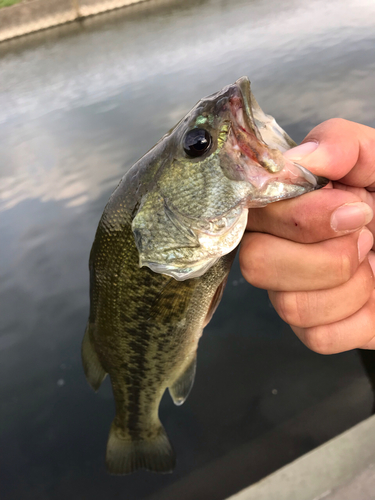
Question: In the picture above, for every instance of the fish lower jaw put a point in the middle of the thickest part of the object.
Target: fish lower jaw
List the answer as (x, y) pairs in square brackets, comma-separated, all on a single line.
[(276, 191)]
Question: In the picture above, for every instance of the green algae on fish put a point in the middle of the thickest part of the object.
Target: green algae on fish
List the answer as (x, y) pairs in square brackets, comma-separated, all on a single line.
[(161, 257)]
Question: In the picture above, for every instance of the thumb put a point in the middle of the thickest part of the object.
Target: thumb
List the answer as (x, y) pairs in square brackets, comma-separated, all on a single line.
[(339, 150)]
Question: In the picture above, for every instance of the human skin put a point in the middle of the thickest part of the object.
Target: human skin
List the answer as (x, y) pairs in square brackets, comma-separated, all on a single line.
[(314, 254)]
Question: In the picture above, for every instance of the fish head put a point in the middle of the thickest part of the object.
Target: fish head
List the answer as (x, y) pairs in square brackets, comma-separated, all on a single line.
[(223, 158)]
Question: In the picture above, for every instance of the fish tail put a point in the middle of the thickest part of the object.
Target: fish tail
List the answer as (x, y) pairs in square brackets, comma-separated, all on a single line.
[(126, 455), (95, 374)]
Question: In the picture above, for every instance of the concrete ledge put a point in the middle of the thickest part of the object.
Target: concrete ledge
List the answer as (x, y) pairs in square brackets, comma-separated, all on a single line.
[(341, 469), (36, 15), (92, 7)]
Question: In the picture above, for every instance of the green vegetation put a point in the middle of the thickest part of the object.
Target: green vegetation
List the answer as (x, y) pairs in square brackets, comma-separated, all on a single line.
[(7, 3)]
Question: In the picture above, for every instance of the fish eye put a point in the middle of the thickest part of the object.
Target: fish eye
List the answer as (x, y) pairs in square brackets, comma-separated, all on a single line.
[(196, 142)]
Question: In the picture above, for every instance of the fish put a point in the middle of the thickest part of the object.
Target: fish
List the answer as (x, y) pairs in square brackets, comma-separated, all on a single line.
[(161, 257)]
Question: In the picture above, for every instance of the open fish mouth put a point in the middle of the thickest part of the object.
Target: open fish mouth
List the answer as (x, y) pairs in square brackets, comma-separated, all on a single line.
[(258, 159)]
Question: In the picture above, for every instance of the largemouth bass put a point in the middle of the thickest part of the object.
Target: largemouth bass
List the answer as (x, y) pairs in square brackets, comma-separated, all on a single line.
[(161, 256)]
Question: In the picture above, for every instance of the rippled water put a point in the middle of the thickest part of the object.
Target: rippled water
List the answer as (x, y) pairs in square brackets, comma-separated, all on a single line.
[(78, 105)]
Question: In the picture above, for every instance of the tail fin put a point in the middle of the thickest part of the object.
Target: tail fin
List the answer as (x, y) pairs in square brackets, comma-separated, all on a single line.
[(127, 455), (93, 369)]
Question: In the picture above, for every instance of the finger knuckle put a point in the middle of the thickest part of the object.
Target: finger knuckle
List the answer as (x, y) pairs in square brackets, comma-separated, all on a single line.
[(252, 261), (319, 340), (366, 279), (293, 307), (345, 266), (336, 122)]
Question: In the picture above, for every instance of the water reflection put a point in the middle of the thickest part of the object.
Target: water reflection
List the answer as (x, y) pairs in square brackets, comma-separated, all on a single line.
[(59, 145), (80, 104)]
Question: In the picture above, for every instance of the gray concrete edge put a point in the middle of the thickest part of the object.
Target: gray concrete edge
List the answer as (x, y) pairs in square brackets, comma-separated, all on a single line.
[(24, 18), (320, 472)]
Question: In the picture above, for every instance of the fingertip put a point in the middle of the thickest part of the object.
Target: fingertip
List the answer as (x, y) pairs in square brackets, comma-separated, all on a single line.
[(330, 150), (300, 152), (365, 243), (351, 216), (371, 260)]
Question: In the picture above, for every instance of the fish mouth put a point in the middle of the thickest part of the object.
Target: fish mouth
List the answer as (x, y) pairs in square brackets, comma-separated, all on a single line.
[(254, 149), (242, 107)]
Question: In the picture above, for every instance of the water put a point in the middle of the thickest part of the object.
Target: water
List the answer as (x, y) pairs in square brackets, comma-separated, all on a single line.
[(78, 105)]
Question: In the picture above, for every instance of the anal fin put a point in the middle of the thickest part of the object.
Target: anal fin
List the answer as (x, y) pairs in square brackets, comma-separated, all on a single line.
[(94, 371), (181, 388)]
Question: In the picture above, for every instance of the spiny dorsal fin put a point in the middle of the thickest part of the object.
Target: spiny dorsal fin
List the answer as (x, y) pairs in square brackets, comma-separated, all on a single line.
[(181, 388)]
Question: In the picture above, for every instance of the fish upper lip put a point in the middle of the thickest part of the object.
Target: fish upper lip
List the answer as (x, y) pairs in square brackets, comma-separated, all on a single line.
[(243, 84), (251, 144), (238, 96)]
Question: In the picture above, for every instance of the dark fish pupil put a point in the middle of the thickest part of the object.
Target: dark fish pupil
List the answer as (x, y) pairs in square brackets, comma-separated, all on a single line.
[(196, 142)]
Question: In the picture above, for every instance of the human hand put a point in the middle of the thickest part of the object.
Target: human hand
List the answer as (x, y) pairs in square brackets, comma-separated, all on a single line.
[(314, 253)]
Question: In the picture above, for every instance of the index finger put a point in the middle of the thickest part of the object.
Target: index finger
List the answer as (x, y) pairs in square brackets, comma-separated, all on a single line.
[(344, 151), (313, 217)]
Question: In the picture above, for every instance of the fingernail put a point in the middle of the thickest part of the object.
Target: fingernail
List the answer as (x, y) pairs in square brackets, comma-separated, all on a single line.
[(365, 242), (301, 151), (351, 216)]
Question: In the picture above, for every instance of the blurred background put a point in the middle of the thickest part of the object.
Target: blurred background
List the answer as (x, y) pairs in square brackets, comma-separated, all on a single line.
[(79, 104)]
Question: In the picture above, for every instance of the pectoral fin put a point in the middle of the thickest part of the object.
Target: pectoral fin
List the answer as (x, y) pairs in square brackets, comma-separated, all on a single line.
[(181, 388), (215, 301), (94, 371)]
